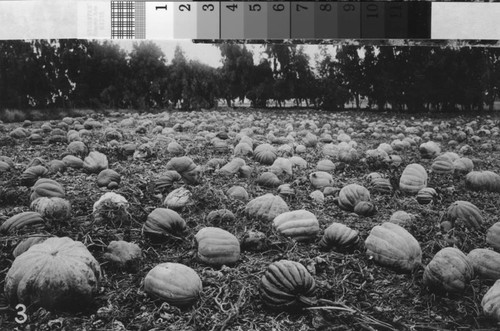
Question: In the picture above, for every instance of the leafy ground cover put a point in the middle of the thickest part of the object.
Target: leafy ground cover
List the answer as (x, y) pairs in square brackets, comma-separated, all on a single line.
[(354, 293)]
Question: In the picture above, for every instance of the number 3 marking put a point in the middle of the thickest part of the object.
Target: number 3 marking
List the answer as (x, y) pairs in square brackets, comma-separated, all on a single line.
[(22, 317)]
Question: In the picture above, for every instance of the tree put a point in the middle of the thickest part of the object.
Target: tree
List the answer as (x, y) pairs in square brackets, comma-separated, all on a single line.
[(148, 72), (237, 67), (408, 81), (262, 82), (491, 75), (416, 88), (202, 91), (280, 56), (473, 64), (303, 79), (192, 83), (42, 74), (379, 71), (333, 94), (26, 74), (177, 78), (351, 72), (71, 63), (106, 74)]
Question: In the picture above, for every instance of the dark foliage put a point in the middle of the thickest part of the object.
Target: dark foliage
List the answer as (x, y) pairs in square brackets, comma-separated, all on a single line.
[(59, 74)]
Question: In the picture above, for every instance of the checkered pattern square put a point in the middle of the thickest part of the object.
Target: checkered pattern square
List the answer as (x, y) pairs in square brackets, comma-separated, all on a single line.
[(122, 19)]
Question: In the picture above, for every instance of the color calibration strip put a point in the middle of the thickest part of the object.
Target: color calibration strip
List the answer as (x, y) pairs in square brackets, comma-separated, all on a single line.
[(259, 20), (284, 20), (252, 20)]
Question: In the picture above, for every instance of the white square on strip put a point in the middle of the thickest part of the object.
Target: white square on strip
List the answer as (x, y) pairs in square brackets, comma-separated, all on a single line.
[(465, 20), (159, 20)]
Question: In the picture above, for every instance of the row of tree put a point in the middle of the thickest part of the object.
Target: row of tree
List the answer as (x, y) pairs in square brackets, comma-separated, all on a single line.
[(86, 73)]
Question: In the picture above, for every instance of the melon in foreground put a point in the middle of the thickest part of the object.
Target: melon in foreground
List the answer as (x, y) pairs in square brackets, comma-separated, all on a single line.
[(390, 245), (179, 198), (163, 222), (483, 181), (352, 194), (111, 207), (95, 162), (486, 263), (413, 178), (491, 301), (493, 236), (448, 271), (217, 247), (57, 274), (45, 187), (25, 244), (300, 225), (465, 212), (123, 254), (287, 285), (175, 283), (266, 207), (21, 220), (52, 208), (339, 237), (110, 200), (321, 179)]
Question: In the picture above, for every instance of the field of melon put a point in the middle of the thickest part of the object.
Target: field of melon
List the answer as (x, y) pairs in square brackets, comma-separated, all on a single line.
[(250, 220)]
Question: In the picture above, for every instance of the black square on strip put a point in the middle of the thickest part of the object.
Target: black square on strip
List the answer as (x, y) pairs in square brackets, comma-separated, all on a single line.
[(122, 19), (419, 20)]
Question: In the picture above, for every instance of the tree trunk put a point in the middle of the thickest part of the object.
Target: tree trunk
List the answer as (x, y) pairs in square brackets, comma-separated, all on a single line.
[(380, 105)]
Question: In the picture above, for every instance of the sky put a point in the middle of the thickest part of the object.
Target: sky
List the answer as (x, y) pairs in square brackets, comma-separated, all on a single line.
[(206, 53)]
